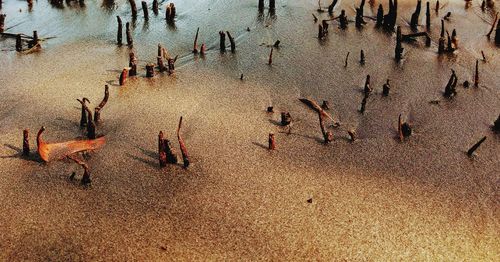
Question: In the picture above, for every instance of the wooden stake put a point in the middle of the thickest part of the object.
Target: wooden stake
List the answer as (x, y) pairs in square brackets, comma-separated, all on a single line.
[(346, 59), (150, 70), (203, 49), (123, 76), (400, 128), (362, 57), (470, 152), (428, 17), (415, 16), (231, 40), (120, 28), (19, 43), (185, 156), (97, 110), (162, 155), (496, 125), (83, 118), (476, 76), (386, 88), (363, 105), (367, 89), (145, 10), (286, 118), (134, 8), (26, 143), (270, 62), (155, 7), (2, 21), (380, 16), (399, 48), (222, 42), (195, 45), (272, 5), (437, 6), (130, 41), (272, 142), (90, 124), (331, 6)]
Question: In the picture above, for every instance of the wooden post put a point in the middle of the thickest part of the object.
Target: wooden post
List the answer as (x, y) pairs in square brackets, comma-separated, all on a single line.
[(134, 8), (150, 70), (286, 118), (145, 10), (272, 5), (270, 61), (261, 5), (90, 125), (182, 145), (450, 89), (272, 142), (195, 45), (320, 32), (362, 57), (19, 43), (363, 104), (331, 6), (170, 13), (161, 64), (120, 29), (454, 39), (83, 117), (222, 43), (346, 59), (162, 155), (380, 16), (428, 17), (476, 75), (437, 6), (470, 152), (496, 125), (441, 47), (367, 89), (171, 64), (26, 143), (343, 20), (231, 40), (386, 88), (123, 76), (130, 41), (399, 48), (155, 7), (97, 110), (415, 16), (203, 49), (497, 33), (2, 21)]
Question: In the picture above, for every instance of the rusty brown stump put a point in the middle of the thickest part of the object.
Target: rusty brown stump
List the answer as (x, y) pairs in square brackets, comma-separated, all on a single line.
[(123, 76), (97, 110)]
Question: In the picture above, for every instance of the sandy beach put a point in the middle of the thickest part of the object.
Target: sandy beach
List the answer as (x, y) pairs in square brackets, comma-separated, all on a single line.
[(375, 199)]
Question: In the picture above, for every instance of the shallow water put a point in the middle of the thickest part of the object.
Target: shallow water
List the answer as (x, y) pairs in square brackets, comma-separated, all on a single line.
[(376, 198)]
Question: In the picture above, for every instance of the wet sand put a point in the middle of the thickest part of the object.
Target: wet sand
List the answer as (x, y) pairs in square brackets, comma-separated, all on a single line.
[(374, 199)]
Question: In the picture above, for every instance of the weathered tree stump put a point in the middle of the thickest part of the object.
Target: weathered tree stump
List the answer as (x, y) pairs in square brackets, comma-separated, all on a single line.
[(97, 110), (133, 7)]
